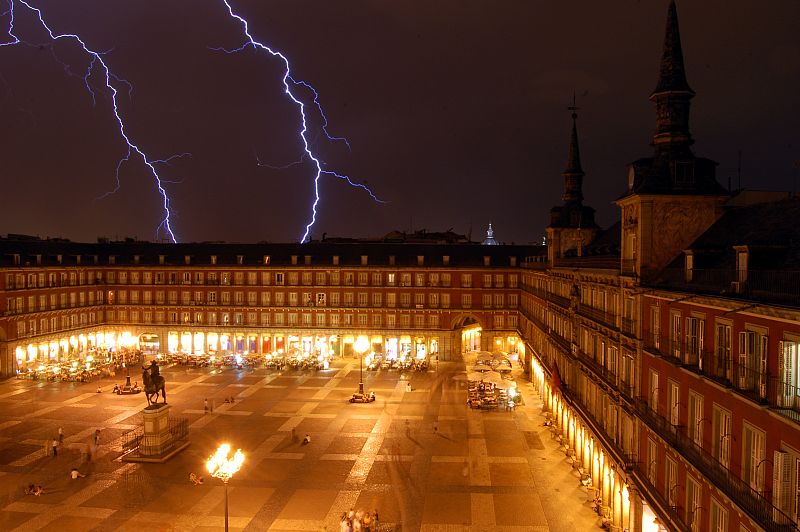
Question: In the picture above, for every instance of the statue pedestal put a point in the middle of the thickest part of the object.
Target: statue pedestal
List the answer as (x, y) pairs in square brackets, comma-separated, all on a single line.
[(160, 440), (156, 437)]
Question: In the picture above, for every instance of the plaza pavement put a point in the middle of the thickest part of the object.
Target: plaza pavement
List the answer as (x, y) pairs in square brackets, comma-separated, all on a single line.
[(423, 459)]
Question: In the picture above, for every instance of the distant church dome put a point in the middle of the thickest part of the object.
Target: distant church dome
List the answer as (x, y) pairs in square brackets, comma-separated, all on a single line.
[(490, 241)]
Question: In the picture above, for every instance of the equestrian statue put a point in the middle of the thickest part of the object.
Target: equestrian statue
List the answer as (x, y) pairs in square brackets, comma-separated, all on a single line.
[(153, 383)]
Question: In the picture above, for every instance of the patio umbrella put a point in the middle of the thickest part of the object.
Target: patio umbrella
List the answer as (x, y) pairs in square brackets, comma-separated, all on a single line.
[(493, 377), (505, 384), (484, 356), (482, 368), (475, 376)]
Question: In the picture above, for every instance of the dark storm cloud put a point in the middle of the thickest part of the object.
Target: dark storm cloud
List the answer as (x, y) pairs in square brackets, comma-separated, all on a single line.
[(455, 110)]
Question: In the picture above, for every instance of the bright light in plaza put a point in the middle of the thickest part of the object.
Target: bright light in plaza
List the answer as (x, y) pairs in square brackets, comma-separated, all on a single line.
[(223, 467)]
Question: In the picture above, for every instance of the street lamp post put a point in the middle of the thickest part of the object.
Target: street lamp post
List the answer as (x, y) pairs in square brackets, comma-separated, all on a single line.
[(223, 468), (361, 346)]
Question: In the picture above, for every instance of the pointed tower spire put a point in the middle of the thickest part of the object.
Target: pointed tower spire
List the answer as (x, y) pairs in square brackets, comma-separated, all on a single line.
[(672, 94), (573, 173), (672, 76)]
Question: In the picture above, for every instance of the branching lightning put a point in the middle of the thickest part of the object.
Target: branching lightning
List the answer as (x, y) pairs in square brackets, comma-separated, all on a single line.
[(288, 83), (111, 81)]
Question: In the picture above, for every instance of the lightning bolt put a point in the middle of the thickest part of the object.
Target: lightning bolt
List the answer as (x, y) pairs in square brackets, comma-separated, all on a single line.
[(96, 62), (288, 83)]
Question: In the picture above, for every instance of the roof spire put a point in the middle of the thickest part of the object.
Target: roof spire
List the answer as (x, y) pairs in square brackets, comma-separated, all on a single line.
[(573, 173), (672, 76)]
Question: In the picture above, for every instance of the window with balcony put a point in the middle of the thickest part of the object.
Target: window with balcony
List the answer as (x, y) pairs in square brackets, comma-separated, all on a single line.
[(363, 299), (753, 456), (721, 435), (349, 299)]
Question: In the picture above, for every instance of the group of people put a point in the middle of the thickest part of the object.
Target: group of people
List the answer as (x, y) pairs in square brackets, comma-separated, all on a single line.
[(359, 521), (34, 490)]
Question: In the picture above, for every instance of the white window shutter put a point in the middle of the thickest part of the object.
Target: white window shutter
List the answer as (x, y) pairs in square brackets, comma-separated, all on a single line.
[(781, 477)]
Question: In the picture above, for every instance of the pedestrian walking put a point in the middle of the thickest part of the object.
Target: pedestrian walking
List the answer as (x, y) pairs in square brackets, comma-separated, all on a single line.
[(205, 406), (97, 437), (60, 435), (55, 447)]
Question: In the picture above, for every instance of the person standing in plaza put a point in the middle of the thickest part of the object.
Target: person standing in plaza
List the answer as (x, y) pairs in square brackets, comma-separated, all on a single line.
[(55, 447), (97, 437), (60, 435)]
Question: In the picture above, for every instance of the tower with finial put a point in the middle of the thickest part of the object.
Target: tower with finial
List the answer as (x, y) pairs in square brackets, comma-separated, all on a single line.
[(489, 240), (572, 224), (673, 196)]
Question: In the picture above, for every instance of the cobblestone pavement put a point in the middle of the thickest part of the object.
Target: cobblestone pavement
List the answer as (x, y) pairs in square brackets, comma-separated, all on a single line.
[(422, 458)]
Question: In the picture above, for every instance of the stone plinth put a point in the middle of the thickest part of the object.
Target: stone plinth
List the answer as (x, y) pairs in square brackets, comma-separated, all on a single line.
[(156, 437), (159, 440)]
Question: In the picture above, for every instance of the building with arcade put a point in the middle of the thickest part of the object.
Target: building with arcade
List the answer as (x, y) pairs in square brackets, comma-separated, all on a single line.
[(665, 347)]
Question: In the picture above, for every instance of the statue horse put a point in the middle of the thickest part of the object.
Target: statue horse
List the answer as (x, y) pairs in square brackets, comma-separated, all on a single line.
[(153, 385)]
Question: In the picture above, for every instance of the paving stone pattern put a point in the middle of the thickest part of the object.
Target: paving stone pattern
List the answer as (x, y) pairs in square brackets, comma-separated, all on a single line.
[(423, 459)]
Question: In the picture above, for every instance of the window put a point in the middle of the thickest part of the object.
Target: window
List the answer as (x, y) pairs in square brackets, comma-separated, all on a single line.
[(405, 279), (487, 280), (498, 321), (466, 280), (335, 299), (675, 334), (293, 299), (652, 461), (320, 299), (788, 380), (363, 320), (376, 279), (655, 327), (334, 320), (752, 367), (671, 482), (466, 300), (293, 278), (433, 321), (445, 300), (306, 278), (405, 300), (391, 300), (377, 299), (419, 321), (376, 320), (487, 300), (721, 435), (434, 279), (654, 391), (363, 298), (320, 320), (499, 281), (320, 278), (391, 279), (279, 278), (419, 279), (694, 341), (753, 454), (446, 280), (306, 319), (693, 503), (349, 299), (719, 517), (696, 418), (674, 404), (721, 365)]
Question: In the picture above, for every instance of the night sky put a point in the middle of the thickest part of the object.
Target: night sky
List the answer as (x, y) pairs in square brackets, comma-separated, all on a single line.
[(455, 111)]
